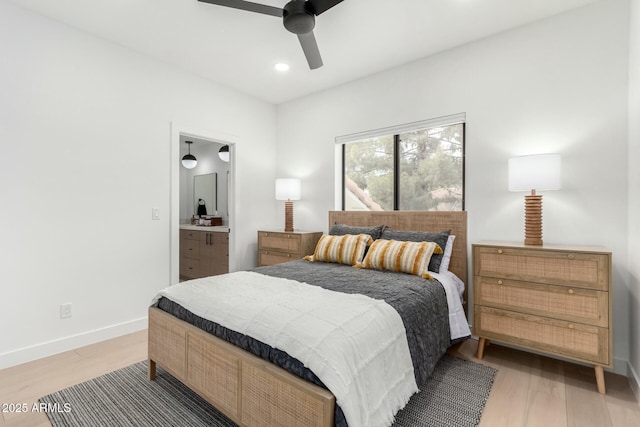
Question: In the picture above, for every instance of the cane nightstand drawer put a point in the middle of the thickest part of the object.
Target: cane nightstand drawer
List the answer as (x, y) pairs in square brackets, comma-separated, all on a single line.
[(572, 304), (284, 242), (571, 268), (270, 257), (275, 247), (579, 341)]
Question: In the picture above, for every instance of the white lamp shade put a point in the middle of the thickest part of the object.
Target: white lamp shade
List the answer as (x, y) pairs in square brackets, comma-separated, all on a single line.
[(288, 189), (223, 153), (189, 163), (535, 172)]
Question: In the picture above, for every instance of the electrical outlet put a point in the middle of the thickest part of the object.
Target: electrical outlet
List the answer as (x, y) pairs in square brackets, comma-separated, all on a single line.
[(65, 310)]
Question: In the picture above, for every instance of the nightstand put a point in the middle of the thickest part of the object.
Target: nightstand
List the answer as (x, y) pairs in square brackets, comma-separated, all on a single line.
[(275, 247), (552, 299)]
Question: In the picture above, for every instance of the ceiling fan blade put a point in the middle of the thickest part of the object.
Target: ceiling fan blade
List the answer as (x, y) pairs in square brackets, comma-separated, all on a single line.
[(247, 5), (319, 6), (311, 51)]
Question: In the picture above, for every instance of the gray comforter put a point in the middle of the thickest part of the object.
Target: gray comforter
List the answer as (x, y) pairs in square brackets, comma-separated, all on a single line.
[(421, 304)]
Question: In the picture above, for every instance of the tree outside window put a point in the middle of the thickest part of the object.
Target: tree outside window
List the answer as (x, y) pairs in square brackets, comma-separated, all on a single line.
[(416, 170)]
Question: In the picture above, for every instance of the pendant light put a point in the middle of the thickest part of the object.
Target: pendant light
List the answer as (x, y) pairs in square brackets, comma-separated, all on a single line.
[(189, 161), (223, 153)]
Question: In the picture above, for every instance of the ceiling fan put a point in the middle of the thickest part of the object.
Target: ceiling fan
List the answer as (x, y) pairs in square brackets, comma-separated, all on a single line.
[(298, 16)]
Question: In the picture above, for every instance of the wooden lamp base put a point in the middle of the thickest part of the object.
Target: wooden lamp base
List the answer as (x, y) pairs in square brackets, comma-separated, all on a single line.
[(533, 219), (288, 216)]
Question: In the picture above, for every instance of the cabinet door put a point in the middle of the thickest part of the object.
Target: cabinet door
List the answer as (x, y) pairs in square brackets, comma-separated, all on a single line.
[(214, 250), (220, 254)]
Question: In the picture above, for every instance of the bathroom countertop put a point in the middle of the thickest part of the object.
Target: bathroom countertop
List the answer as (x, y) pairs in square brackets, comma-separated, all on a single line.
[(214, 228)]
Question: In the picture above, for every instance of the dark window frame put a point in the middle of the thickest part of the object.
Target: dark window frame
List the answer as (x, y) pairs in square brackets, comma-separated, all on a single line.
[(396, 168)]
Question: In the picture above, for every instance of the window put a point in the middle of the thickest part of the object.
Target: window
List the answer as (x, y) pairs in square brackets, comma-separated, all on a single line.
[(417, 167)]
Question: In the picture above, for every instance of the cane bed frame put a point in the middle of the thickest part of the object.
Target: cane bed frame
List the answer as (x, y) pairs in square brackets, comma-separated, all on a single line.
[(251, 391)]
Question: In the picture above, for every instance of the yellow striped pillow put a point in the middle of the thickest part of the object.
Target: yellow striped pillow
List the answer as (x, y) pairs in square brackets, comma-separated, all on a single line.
[(347, 249), (400, 256)]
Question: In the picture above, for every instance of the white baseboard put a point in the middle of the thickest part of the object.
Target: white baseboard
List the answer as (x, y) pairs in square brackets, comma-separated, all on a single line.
[(620, 366), (49, 348), (634, 382)]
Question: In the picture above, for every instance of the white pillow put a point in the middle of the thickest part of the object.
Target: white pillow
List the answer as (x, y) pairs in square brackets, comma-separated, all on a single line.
[(446, 258)]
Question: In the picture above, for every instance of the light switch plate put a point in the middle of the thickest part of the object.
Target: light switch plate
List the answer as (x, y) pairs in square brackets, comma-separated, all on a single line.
[(65, 310), (155, 213)]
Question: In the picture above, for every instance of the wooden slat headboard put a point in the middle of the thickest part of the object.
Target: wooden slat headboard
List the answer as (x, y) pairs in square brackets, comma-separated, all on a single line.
[(456, 221)]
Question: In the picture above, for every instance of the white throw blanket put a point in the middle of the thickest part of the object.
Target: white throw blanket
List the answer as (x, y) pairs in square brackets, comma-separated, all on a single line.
[(356, 345)]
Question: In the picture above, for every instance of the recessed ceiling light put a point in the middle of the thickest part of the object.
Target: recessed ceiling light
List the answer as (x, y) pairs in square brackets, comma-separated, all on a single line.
[(281, 66)]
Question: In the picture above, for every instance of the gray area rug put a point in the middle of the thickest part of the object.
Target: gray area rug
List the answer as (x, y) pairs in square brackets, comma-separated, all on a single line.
[(455, 395)]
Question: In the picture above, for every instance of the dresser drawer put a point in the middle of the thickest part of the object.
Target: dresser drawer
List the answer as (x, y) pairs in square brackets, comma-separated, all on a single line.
[(578, 269), (281, 242), (572, 304), (189, 234), (584, 342), (190, 268), (190, 248)]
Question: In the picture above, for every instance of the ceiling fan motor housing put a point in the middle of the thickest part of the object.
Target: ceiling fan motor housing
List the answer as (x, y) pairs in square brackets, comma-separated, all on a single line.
[(298, 18)]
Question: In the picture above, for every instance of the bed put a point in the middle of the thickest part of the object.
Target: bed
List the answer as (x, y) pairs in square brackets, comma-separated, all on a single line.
[(254, 383)]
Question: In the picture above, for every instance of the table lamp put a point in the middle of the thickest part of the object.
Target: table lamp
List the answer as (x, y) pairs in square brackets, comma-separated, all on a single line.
[(288, 189), (534, 173)]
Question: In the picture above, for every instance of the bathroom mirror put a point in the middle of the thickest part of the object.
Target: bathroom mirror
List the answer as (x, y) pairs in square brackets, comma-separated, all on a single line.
[(205, 193)]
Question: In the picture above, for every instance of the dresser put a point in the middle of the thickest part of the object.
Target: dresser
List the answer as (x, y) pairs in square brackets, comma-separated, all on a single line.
[(203, 253), (552, 299), (275, 247)]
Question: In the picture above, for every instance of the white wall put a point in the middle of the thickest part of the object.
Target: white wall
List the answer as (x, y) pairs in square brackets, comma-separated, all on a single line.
[(634, 192), (85, 129), (559, 85)]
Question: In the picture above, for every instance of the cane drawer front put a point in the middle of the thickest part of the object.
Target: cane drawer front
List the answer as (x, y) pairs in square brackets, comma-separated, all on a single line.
[(575, 340), (586, 306), (275, 247), (280, 242), (559, 267), (271, 257)]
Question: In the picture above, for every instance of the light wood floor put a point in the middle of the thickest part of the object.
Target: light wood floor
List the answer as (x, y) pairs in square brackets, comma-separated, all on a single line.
[(529, 390)]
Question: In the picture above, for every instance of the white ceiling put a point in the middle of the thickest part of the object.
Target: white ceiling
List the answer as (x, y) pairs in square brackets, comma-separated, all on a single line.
[(239, 48)]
